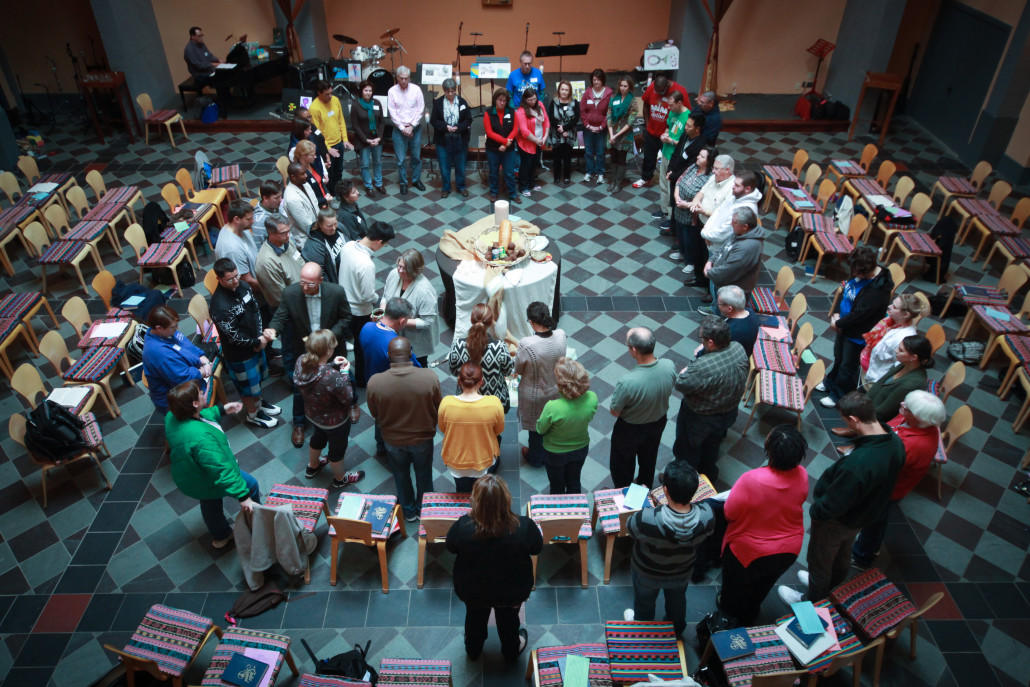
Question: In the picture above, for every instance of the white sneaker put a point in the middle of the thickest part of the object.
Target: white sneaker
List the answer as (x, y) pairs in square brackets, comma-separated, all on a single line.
[(821, 386), (629, 615), (587, 178), (261, 419), (640, 183), (676, 255), (827, 402), (600, 179), (803, 577), (270, 409), (688, 268), (350, 346), (790, 596)]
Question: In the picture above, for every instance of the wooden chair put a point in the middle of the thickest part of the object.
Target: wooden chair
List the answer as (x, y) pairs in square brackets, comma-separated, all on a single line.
[(10, 186), (11, 328), (798, 307), (812, 175), (993, 226), (999, 192), (95, 366), (17, 428), (768, 301), (281, 164), (166, 117), (77, 315), (360, 532), (165, 644), (60, 253), (1017, 349), (957, 186), (236, 640), (572, 526), (778, 356), (912, 621), (953, 378), (29, 385), (439, 512), (223, 176), (897, 276), (595, 653), (103, 284), (210, 281), (935, 335), (92, 232), (24, 306), (853, 659), (1012, 248), (29, 168), (902, 189), (834, 244), (215, 196), (885, 173), (307, 503), (996, 327), (786, 391), (920, 204), (916, 244), (171, 196), (960, 422), (868, 154), (95, 180), (796, 166), (157, 255), (76, 198)]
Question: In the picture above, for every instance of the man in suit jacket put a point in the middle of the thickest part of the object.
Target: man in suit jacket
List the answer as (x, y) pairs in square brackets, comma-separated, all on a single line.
[(305, 307)]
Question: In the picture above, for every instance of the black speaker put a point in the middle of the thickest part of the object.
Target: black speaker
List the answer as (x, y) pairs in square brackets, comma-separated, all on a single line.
[(303, 75)]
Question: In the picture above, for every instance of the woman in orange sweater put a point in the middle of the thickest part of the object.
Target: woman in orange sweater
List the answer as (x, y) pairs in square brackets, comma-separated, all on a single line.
[(531, 125), (471, 423)]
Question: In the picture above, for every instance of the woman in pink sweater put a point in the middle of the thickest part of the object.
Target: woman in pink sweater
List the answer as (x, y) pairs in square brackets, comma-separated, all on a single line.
[(765, 525), (531, 126)]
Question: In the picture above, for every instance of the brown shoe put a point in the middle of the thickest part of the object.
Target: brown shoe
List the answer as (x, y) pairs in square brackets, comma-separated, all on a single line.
[(298, 436), (843, 431), (355, 414), (845, 449), (525, 451)]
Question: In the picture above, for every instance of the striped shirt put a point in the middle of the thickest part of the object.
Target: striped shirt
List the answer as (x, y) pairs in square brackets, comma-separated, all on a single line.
[(667, 540)]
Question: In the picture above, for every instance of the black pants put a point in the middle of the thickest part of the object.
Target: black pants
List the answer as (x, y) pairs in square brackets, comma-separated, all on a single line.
[(652, 145), (527, 165), (632, 444), (507, 617), (356, 323), (337, 438), (843, 376), (335, 168), (562, 161), (698, 438), (745, 588), (698, 254)]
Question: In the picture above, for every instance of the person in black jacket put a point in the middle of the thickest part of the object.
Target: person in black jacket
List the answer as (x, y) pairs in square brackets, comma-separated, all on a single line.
[(451, 121), (862, 304), (325, 243), (350, 222), (564, 113), (494, 568)]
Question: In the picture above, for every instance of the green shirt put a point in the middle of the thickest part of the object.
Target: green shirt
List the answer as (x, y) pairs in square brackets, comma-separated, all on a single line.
[(564, 422), (642, 395), (676, 121)]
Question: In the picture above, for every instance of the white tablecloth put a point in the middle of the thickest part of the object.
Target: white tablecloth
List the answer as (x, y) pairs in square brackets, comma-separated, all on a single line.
[(531, 281)]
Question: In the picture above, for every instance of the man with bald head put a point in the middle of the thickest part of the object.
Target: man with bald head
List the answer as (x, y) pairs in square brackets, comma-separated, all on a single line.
[(305, 307), (403, 400), (641, 404)]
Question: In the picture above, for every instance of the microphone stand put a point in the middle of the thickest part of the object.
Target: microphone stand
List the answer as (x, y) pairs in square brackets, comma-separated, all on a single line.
[(457, 62), (559, 34), (525, 45)]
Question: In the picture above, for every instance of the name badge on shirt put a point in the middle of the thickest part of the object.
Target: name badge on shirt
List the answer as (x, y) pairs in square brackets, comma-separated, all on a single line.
[(360, 220), (296, 254), (507, 116), (591, 102), (461, 108), (177, 347), (331, 113), (246, 299)]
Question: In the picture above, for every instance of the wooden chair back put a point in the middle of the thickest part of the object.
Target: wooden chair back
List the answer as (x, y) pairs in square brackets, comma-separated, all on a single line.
[(199, 311), (868, 153), (95, 180), (1021, 212), (561, 528), (54, 349), (806, 334), (1012, 280), (185, 181), (935, 335), (76, 198), (10, 186), (798, 307), (999, 192), (135, 237), (436, 528), (902, 189), (103, 284), (812, 176), (911, 622), (76, 314), (29, 168), (857, 229), (953, 378), (980, 172), (826, 190), (961, 421), (28, 384), (854, 659), (920, 204), (281, 164), (170, 194), (812, 379), (786, 679), (359, 531), (897, 276), (800, 158), (145, 104), (135, 663), (57, 218), (886, 171), (37, 236), (784, 280), (210, 281)]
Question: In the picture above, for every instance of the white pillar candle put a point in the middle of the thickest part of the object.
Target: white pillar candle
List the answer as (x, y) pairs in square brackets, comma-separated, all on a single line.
[(500, 211)]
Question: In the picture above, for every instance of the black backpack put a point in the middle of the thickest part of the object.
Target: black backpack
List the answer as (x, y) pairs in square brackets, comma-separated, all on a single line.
[(155, 220), (793, 242), (53, 432), (352, 664)]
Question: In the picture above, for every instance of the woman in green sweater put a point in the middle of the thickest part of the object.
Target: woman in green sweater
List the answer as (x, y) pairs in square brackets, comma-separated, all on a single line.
[(203, 465), (564, 424)]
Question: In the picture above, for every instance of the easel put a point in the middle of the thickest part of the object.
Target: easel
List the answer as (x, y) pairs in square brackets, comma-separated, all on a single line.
[(475, 51), (821, 49)]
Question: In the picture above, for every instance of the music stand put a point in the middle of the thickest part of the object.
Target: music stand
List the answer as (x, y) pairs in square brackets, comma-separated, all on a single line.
[(560, 51), (821, 49), (476, 51)]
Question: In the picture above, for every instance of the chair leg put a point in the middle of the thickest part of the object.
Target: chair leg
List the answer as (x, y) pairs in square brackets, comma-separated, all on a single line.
[(168, 128), (818, 262), (96, 460), (609, 549), (146, 133), (421, 561), (290, 662), (751, 416), (534, 572), (583, 562), (43, 483), (124, 363), (106, 386), (381, 546), (182, 125), (991, 347), (82, 280)]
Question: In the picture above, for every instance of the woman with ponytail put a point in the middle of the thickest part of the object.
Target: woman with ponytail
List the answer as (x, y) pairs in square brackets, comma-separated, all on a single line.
[(490, 354), (535, 361)]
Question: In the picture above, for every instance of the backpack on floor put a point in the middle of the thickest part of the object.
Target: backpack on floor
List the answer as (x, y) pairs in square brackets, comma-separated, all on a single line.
[(968, 351), (52, 432), (252, 603), (352, 664), (793, 242)]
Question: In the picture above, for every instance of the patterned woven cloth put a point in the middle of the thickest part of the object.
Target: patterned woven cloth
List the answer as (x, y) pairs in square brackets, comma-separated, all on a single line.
[(161, 116), (781, 323), (997, 224), (783, 391), (369, 498), (607, 510), (799, 200), (1018, 248), (104, 212), (329, 681), (872, 603), (438, 506), (86, 230), (118, 314), (119, 195), (778, 173), (235, 641), (62, 252), (199, 209), (411, 672), (173, 235), (775, 356), (975, 207), (848, 640), (8, 325), (94, 364), (557, 506), (18, 305), (169, 637), (1020, 347), (764, 302), (15, 215), (637, 648), (60, 179), (89, 340), (999, 325), (599, 675), (221, 175), (847, 168), (866, 187), (705, 490), (91, 433), (812, 222), (986, 295), (833, 242), (208, 332), (957, 186), (771, 656), (160, 254), (307, 502), (919, 243)]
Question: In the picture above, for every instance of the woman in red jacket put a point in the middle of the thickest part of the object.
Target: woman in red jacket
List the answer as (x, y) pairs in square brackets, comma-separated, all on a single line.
[(531, 125), (499, 122), (765, 525)]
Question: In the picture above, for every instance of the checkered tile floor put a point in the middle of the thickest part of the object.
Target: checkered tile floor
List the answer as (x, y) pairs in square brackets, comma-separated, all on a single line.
[(83, 572)]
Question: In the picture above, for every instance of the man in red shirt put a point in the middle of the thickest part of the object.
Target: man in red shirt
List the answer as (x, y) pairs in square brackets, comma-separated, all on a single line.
[(656, 111)]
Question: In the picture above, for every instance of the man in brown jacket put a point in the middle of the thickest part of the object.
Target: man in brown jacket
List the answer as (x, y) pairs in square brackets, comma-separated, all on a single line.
[(404, 401)]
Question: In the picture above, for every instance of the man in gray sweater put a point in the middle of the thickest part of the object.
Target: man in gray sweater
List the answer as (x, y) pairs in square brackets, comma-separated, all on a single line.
[(666, 544), (737, 264)]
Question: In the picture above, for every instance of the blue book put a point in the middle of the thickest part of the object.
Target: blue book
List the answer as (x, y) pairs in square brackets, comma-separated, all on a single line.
[(244, 671), (379, 515), (730, 644), (804, 638)]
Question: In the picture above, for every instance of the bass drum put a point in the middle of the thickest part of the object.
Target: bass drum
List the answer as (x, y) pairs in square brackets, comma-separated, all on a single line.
[(381, 79)]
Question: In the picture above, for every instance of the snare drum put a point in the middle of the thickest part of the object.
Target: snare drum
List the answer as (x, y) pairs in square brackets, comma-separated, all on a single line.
[(359, 53), (376, 52), (380, 78)]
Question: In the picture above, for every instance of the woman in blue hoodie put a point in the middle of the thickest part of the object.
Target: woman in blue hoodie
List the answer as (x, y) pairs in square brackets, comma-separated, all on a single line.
[(169, 359)]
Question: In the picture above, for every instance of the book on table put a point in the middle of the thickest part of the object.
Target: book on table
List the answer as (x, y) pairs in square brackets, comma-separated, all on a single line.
[(379, 515), (731, 644), (244, 671)]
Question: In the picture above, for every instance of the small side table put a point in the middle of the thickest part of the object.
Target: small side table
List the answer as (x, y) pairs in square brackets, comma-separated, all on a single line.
[(885, 82), (94, 82)]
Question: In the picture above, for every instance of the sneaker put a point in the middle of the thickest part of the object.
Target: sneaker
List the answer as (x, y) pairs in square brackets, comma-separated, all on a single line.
[(411, 517), (803, 577), (587, 178), (629, 615), (538, 187), (657, 214), (827, 402), (350, 346), (221, 543), (310, 472), (600, 179), (349, 478), (689, 271), (821, 386), (523, 640), (639, 183), (269, 408), (676, 255), (527, 194), (261, 419), (667, 224), (790, 596)]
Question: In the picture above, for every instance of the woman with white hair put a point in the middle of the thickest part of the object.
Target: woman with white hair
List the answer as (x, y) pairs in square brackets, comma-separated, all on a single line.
[(451, 121), (917, 424)]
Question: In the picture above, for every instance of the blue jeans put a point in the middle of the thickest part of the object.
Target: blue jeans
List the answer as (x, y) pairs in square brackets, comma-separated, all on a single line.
[(404, 147), (714, 290), (593, 150), (645, 597), (457, 161), (373, 154), (495, 159), (213, 515), (401, 460)]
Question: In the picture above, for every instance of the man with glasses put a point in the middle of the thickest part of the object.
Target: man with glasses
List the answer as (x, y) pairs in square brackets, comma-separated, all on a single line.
[(527, 76), (305, 307), (236, 315), (199, 60)]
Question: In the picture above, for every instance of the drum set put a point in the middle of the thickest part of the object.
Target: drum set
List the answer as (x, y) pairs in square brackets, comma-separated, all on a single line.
[(369, 57)]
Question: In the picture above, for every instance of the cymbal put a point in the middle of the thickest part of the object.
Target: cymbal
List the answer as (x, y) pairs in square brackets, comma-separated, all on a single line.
[(346, 40), (389, 34)]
